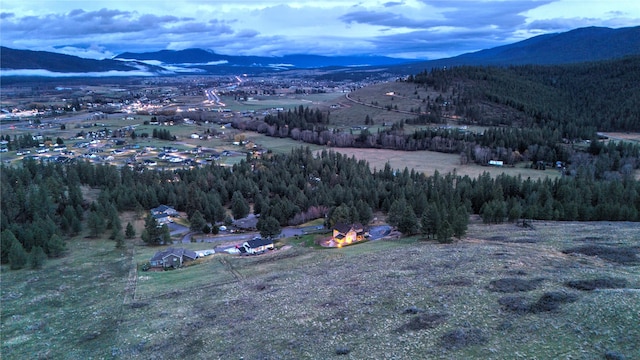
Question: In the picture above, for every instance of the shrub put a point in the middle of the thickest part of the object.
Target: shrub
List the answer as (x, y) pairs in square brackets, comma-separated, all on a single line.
[(461, 337), (598, 283), (509, 285), (621, 255), (424, 321)]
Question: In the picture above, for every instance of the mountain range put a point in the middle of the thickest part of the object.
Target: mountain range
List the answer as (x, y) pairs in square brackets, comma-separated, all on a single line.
[(579, 45)]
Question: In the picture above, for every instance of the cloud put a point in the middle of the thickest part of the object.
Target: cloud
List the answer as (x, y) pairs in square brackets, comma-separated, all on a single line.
[(455, 14), (47, 73), (89, 51), (416, 28), (114, 29), (392, 3)]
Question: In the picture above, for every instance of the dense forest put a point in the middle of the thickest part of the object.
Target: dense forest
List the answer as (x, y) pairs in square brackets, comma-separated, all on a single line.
[(554, 111), (575, 99), (42, 204)]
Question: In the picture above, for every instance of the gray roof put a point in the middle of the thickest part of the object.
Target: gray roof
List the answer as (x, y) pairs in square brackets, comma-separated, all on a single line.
[(179, 252), (254, 243), (344, 228)]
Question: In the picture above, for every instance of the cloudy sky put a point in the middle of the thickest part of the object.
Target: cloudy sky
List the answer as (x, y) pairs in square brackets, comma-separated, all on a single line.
[(424, 29)]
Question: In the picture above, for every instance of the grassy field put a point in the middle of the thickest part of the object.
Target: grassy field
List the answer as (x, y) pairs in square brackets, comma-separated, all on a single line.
[(286, 102), (403, 98), (501, 292), (429, 161)]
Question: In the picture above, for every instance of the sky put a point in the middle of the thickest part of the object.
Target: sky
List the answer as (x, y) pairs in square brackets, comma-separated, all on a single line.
[(416, 29)]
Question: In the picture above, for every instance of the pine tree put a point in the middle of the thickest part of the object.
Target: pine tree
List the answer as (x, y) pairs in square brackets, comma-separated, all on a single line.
[(96, 223), (340, 214), (445, 232), (429, 221), (239, 206), (408, 223), (17, 256), (130, 232), (37, 257), (165, 234), (396, 211), (268, 226), (152, 233), (459, 222), (197, 221), (55, 246), (119, 238), (7, 239)]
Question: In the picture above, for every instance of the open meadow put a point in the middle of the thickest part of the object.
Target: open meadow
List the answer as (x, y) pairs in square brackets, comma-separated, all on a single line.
[(556, 290), (429, 162)]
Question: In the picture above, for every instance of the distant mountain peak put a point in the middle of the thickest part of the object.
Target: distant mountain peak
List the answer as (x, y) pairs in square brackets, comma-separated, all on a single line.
[(577, 45)]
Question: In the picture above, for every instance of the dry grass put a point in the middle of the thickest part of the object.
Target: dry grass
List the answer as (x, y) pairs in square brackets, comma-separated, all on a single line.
[(429, 161), (387, 299)]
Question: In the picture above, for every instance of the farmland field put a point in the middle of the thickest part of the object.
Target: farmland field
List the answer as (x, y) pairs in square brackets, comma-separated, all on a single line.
[(568, 290)]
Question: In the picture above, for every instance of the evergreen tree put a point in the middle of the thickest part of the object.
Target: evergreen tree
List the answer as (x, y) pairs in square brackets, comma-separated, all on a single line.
[(268, 226), (239, 206), (37, 257), (165, 234), (7, 239), (197, 221), (408, 223), (445, 232), (96, 224), (459, 222), (119, 238), (397, 211), (365, 214), (340, 214), (152, 233), (17, 256), (130, 232), (55, 246), (429, 221)]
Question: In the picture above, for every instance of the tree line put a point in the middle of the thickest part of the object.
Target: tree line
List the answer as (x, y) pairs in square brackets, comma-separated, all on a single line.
[(43, 203)]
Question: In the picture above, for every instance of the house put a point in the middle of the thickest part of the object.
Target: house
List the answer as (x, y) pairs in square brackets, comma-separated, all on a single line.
[(172, 258), (162, 219), (256, 246), (164, 209), (164, 214), (344, 234)]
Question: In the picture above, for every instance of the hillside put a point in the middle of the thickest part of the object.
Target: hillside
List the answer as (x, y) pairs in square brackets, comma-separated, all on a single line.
[(197, 58), (575, 46), (573, 97), (12, 59), (501, 290)]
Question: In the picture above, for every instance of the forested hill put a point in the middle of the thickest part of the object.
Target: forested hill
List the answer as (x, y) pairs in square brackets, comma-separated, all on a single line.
[(600, 96), (42, 204)]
